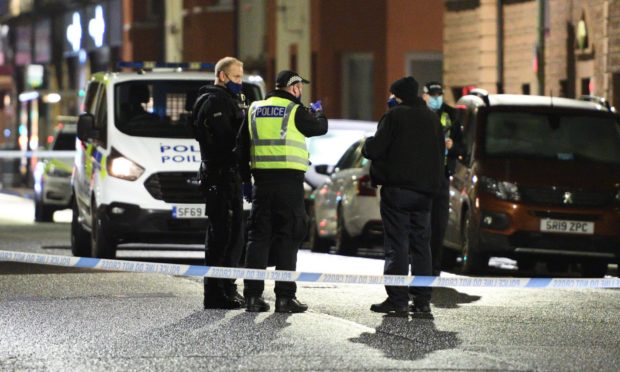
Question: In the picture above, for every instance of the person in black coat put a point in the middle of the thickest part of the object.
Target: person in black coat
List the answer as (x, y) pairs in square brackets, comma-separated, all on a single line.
[(407, 153), (218, 115), (433, 95)]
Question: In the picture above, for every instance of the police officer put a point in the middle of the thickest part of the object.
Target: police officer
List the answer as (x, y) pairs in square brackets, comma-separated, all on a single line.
[(272, 144), (219, 114), (407, 159), (433, 95)]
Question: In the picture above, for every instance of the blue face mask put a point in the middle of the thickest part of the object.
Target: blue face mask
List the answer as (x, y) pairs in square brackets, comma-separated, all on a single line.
[(392, 102), (234, 87), (435, 102)]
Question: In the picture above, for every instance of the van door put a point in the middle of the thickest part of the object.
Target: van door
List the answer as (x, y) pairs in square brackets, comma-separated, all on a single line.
[(84, 154)]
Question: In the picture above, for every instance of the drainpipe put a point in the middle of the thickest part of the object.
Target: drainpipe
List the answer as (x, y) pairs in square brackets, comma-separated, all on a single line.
[(500, 47), (541, 47)]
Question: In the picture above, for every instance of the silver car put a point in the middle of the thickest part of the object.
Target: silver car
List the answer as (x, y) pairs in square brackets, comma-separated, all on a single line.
[(52, 175), (346, 208)]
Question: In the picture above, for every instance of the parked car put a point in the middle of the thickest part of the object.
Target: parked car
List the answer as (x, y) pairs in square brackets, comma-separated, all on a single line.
[(346, 208), (540, 181), (52, 175), (325, 151)]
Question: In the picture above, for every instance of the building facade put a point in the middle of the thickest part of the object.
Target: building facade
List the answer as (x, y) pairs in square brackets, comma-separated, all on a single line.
[(562, 48)]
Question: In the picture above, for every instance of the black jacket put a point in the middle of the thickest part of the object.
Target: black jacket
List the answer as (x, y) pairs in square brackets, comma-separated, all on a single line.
[(308, 123), (408, 148), (456, 135), (217, 122)]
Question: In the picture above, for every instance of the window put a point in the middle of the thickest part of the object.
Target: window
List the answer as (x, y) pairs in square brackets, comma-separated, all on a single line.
[(565, 137), (91, 97), (425, 66), (347, 159), (357, 91)]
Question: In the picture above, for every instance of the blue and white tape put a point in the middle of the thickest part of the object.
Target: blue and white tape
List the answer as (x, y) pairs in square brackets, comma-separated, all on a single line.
[(296, 276), (57, 154)]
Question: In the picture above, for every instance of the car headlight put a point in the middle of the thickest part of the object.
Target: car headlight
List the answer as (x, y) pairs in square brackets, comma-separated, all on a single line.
[(501, 189), (121, 167), (617, 199)]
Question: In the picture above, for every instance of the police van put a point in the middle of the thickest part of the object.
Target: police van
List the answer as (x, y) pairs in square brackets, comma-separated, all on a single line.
[(134, 178)]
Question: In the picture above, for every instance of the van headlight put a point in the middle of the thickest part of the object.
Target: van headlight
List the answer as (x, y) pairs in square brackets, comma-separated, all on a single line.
[(122, 167), (501, 189), (617, 199)]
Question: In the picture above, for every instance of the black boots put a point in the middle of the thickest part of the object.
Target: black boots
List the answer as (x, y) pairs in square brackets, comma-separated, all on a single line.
[(256, 305), (387, 307), (289, 305)]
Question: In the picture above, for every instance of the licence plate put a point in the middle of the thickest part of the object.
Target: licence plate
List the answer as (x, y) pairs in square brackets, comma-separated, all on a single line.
[(189, 211), (566, 227)]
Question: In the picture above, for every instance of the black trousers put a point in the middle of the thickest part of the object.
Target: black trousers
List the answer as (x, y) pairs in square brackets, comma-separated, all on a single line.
[(439, 222), (225, 233), (277, 223), (406, 218)]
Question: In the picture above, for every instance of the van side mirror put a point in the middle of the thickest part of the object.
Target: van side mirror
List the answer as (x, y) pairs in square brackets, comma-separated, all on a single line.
[(322, 169), (86, 127)]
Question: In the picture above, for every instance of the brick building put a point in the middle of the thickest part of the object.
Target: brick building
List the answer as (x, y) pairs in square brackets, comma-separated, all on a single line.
[(553, 47)]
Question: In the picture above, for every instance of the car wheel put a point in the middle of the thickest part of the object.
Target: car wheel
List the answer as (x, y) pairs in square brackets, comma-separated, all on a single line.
[(474, 262), (594, 269), (80, 238), (317, 244), (42, 212), (346, 245), (101, 244)]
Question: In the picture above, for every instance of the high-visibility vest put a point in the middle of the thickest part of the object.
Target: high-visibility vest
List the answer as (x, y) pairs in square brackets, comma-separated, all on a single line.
[(275, 141), (446, 122)]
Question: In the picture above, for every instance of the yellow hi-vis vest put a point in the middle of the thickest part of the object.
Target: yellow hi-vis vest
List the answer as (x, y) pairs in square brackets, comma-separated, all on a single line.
[(275, 141)]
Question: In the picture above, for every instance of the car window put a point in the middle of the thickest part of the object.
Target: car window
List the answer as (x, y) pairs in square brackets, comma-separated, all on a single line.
[(91, 97), (329, 148), (565, 137), (348, 158)]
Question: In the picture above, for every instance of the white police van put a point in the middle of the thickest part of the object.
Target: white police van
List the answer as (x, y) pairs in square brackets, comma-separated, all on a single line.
[(136, 163)]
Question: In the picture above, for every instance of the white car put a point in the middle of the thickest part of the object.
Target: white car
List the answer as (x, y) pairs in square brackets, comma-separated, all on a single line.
[(52, 175), (346, 208)]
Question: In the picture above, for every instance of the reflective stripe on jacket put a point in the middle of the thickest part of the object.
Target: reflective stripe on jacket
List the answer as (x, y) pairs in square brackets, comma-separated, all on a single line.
[(275, 141)]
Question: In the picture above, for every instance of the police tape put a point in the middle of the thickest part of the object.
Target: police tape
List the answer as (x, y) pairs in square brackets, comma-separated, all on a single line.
[(295, 276), (57, 154)]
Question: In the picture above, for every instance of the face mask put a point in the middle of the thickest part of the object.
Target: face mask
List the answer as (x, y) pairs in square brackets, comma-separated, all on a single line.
[(392, 102), (435, 102), (234, 87)]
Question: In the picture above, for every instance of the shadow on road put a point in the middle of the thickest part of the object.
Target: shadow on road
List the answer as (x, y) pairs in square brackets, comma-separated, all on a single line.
[(408, 339), (450, 298)]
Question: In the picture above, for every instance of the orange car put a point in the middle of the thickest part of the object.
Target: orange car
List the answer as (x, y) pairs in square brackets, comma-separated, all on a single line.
[(539, 181)]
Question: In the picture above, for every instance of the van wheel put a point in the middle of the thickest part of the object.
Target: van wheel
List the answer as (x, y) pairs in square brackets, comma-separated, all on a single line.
[(101, 244), (317, 244), (474, 262), (346, 245), (593, 269), (42, 212), (526, 264), (80, 238)]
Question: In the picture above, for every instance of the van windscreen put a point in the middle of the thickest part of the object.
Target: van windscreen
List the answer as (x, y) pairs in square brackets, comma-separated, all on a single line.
[(565, 137), (160, 108)]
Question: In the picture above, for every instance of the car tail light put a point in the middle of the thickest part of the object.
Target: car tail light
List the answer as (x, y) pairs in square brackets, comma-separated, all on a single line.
[(364, 187)]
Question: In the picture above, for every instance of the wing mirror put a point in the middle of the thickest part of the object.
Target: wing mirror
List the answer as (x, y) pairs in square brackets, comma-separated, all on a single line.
[(86, 127), (323, 169)]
